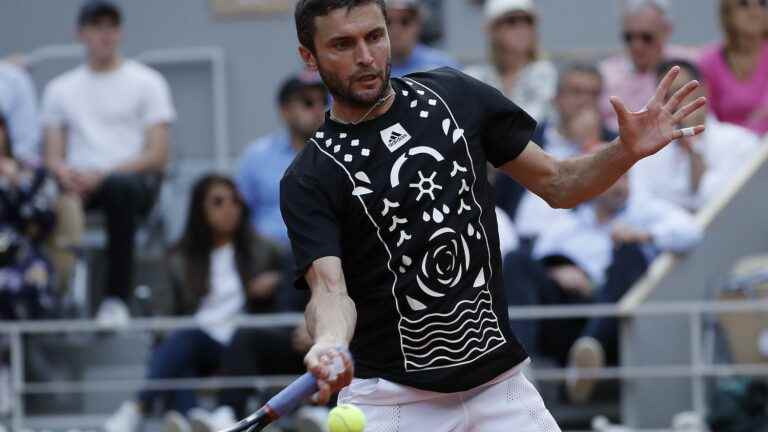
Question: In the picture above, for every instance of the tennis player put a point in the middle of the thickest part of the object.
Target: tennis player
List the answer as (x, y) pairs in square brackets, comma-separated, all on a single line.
[(392, 225)]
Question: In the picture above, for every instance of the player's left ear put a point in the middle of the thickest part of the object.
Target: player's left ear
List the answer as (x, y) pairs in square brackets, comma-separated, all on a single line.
[(308, 58)]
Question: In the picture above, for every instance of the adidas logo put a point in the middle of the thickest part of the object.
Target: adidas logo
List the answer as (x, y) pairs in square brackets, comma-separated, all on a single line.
[(395, 137)]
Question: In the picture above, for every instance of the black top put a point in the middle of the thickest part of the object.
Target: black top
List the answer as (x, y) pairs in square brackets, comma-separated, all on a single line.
[(404, 201)]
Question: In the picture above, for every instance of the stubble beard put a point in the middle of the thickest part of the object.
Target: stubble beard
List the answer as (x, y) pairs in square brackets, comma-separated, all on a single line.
[(343, 92)]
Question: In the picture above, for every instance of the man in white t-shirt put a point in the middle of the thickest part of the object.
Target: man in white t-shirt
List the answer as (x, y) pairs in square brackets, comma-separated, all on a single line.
[(106, 137), (692, 171)]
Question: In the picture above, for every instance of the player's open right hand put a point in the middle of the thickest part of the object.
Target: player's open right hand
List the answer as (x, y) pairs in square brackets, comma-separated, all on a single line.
[(332, 365)]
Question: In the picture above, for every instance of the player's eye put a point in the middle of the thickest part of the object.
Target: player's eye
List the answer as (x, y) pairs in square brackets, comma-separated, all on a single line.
[(375, 37), (342, 44)]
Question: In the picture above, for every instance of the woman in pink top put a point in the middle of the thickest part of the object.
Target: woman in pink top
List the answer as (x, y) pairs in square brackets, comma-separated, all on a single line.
[(737, 70)]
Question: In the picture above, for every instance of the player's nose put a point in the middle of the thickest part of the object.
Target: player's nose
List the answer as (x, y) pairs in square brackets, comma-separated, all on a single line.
[(363, 54)]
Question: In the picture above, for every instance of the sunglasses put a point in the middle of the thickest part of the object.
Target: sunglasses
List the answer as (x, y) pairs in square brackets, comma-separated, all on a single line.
[(514, 20), (645, 37), (748, 3)]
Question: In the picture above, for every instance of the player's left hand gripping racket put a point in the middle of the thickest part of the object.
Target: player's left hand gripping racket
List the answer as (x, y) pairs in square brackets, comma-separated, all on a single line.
[(280, 404), (283, 403)]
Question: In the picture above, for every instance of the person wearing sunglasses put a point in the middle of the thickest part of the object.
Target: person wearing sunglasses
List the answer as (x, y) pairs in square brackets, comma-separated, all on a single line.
[(517, 67), (406, 21), (645, 31), (737, 68), (302, 101)]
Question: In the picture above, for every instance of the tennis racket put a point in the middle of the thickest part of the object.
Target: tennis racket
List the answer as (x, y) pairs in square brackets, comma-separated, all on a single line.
[(280, 404)]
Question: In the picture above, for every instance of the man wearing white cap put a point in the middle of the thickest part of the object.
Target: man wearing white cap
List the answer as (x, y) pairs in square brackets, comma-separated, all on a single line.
[(406, 20), (645, 30), (516, 67)]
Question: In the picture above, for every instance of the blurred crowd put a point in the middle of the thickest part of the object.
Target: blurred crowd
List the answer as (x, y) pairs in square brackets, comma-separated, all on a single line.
[(96, 146)]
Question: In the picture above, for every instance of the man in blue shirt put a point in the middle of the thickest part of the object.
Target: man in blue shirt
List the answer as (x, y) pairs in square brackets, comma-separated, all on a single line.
[(406, 18), (302, 101)]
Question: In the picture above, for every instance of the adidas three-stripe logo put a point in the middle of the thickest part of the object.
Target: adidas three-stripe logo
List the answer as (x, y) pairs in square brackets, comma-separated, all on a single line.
[(395, 136)]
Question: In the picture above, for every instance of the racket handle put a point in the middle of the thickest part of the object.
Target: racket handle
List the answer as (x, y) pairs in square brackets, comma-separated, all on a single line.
[(290, 397)]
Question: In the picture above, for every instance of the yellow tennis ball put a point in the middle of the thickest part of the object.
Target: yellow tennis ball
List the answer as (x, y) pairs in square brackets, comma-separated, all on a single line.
[(346, 418)]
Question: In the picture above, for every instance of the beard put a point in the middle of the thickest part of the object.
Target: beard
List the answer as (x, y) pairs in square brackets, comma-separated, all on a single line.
[(342, 91)]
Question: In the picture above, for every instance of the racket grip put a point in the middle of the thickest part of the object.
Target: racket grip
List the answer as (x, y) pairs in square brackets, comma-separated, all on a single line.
[(290, 397)]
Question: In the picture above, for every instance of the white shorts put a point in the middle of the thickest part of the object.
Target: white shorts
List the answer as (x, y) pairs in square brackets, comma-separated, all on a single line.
[(508, 403)]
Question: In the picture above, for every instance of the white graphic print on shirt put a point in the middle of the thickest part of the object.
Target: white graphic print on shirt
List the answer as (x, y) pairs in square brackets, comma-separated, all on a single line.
[(429, 220)]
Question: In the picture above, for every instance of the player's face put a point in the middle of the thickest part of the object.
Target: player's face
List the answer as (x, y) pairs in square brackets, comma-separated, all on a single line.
[(645, 34), (578, 91), (223, 209), (305, 112), (404, 30), (748, 16), (352, 54), (101, 38)]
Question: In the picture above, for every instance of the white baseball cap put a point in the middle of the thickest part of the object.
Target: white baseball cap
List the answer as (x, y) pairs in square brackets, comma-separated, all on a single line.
[(495, 9)]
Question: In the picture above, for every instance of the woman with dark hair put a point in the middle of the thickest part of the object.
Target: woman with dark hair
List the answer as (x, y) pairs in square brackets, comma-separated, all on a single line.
[(27, 197), (736, 70), (218, 269)]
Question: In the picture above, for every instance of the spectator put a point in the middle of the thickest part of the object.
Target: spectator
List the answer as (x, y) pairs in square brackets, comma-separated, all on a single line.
[(406, 20), (517, 68), (737, 69), (106, 131), (218, 269), (302, 101), (18, 103), (692, 170), (573, 128), (646, 29), (27, 197), (594, 256)]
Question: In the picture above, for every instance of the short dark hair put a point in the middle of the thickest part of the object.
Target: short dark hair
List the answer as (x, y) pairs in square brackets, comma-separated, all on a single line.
[(689, 67), (307, 10), (295, 84), (578, 67), (94, 10)]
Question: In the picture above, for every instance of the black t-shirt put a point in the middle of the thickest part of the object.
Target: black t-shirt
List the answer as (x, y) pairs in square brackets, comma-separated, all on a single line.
[(403, 201)]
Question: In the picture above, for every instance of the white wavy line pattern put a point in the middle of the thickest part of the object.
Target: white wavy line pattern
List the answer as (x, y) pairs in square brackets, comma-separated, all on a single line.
[(447, 314), (450, 360), (481, 333), (449, 332), (476, 326), (408, 327)]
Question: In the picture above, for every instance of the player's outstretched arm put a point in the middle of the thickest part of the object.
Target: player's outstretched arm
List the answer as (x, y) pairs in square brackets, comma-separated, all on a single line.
[(331, 316), (568, 183)]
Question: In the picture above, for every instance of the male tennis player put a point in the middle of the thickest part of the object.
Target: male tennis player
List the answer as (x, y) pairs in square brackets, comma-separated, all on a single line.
[(392, 225)]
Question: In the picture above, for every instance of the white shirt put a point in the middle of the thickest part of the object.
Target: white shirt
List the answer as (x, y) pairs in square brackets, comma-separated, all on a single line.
[(725, 149), (588, 243), (225, 300), (106, 114), (533, 91)]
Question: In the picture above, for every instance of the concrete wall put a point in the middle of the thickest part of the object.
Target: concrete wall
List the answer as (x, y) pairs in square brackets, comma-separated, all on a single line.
[(739, 229), (260, 51)]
